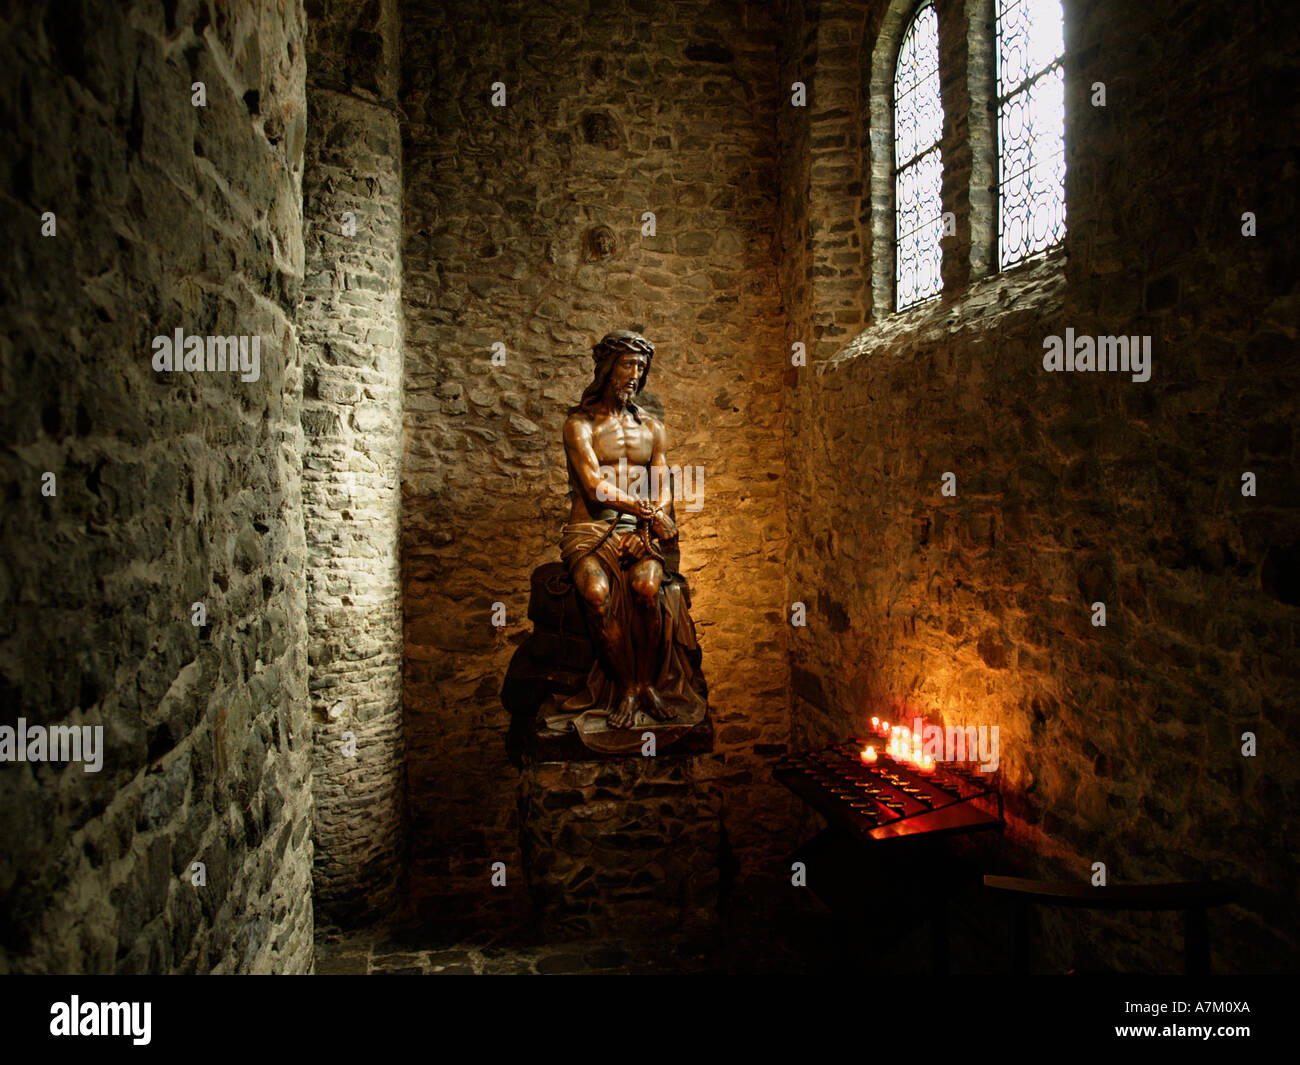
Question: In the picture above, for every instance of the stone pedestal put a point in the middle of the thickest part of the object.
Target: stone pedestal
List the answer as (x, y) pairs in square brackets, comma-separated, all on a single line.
[(553, 663), (621, 846)]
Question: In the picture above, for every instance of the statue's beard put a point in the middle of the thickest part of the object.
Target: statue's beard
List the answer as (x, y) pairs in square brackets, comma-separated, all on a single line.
[(626, 394)]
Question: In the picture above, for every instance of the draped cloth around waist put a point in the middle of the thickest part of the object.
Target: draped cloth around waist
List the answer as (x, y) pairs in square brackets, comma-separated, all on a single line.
[(678, 682)]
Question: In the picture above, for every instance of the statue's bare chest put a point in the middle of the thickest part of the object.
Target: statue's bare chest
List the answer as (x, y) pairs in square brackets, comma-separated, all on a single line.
[(622, 437)]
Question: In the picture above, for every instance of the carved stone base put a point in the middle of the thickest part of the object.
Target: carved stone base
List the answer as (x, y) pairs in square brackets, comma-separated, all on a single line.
[(547, 745), (617, 847)]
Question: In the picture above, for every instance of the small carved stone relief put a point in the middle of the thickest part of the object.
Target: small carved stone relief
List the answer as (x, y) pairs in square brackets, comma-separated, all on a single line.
[(600, 242), (598, 130)]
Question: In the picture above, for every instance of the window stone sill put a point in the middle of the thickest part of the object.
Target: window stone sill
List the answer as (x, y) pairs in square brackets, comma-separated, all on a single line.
[(1037, 285)]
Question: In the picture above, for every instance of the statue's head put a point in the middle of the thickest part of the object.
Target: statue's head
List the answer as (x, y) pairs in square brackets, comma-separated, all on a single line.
[(622, 367)]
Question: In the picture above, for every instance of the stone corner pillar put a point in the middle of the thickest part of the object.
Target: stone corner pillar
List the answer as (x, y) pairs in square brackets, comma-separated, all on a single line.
[(351, 331)]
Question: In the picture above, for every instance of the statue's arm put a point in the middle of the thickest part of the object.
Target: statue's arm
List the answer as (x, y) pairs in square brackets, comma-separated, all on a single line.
[(659, 464), (587, 468), (661, 523)]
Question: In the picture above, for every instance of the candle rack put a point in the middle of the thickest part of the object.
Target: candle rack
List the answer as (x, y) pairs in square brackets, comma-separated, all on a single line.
[(890, 798)]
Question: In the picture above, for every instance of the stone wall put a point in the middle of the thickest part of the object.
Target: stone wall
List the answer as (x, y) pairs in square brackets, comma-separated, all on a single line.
[(627, 846), (171, 489), (630, 108), (352, 417), (1119, 744)]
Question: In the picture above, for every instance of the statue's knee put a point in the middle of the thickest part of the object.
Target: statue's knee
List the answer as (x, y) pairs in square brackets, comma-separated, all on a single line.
[(645, 588), (595, 593)]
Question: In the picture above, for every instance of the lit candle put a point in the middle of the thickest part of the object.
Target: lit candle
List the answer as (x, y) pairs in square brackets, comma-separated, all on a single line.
[(875, 724), (927, 765), (869, 755)]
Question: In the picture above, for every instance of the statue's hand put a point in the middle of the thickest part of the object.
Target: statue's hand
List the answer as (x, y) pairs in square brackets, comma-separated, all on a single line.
[(663, 527), (644, 508)]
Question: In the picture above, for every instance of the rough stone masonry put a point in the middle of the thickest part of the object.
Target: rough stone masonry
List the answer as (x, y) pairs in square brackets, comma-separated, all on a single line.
[(191, 850), (1119, 744), (524, 227), (243, 578)]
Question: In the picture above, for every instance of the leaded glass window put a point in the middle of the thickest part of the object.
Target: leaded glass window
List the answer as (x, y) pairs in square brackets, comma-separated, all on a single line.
[(918, 163), (1031, 128)]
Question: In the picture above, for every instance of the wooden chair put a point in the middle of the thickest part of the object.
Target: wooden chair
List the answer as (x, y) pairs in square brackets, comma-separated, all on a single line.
[(1193, 899)]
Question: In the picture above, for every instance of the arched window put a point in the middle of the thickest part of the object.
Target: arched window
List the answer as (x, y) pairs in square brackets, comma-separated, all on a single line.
[(918, 163), (1031, 128)]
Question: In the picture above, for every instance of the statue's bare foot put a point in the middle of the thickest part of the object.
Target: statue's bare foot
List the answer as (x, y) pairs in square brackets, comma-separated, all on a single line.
[(655, 706), (625, 713)]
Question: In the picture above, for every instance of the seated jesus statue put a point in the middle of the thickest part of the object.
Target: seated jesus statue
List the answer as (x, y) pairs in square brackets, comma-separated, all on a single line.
[(620, 487)]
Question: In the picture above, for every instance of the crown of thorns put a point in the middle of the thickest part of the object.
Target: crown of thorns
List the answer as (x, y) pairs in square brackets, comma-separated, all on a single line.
[(619, 342)]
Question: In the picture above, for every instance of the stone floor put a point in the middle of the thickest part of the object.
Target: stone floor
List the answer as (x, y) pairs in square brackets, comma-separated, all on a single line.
[(766, 928)]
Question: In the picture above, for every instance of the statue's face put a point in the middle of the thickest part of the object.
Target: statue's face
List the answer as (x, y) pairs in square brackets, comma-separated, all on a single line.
[(625, 376)]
